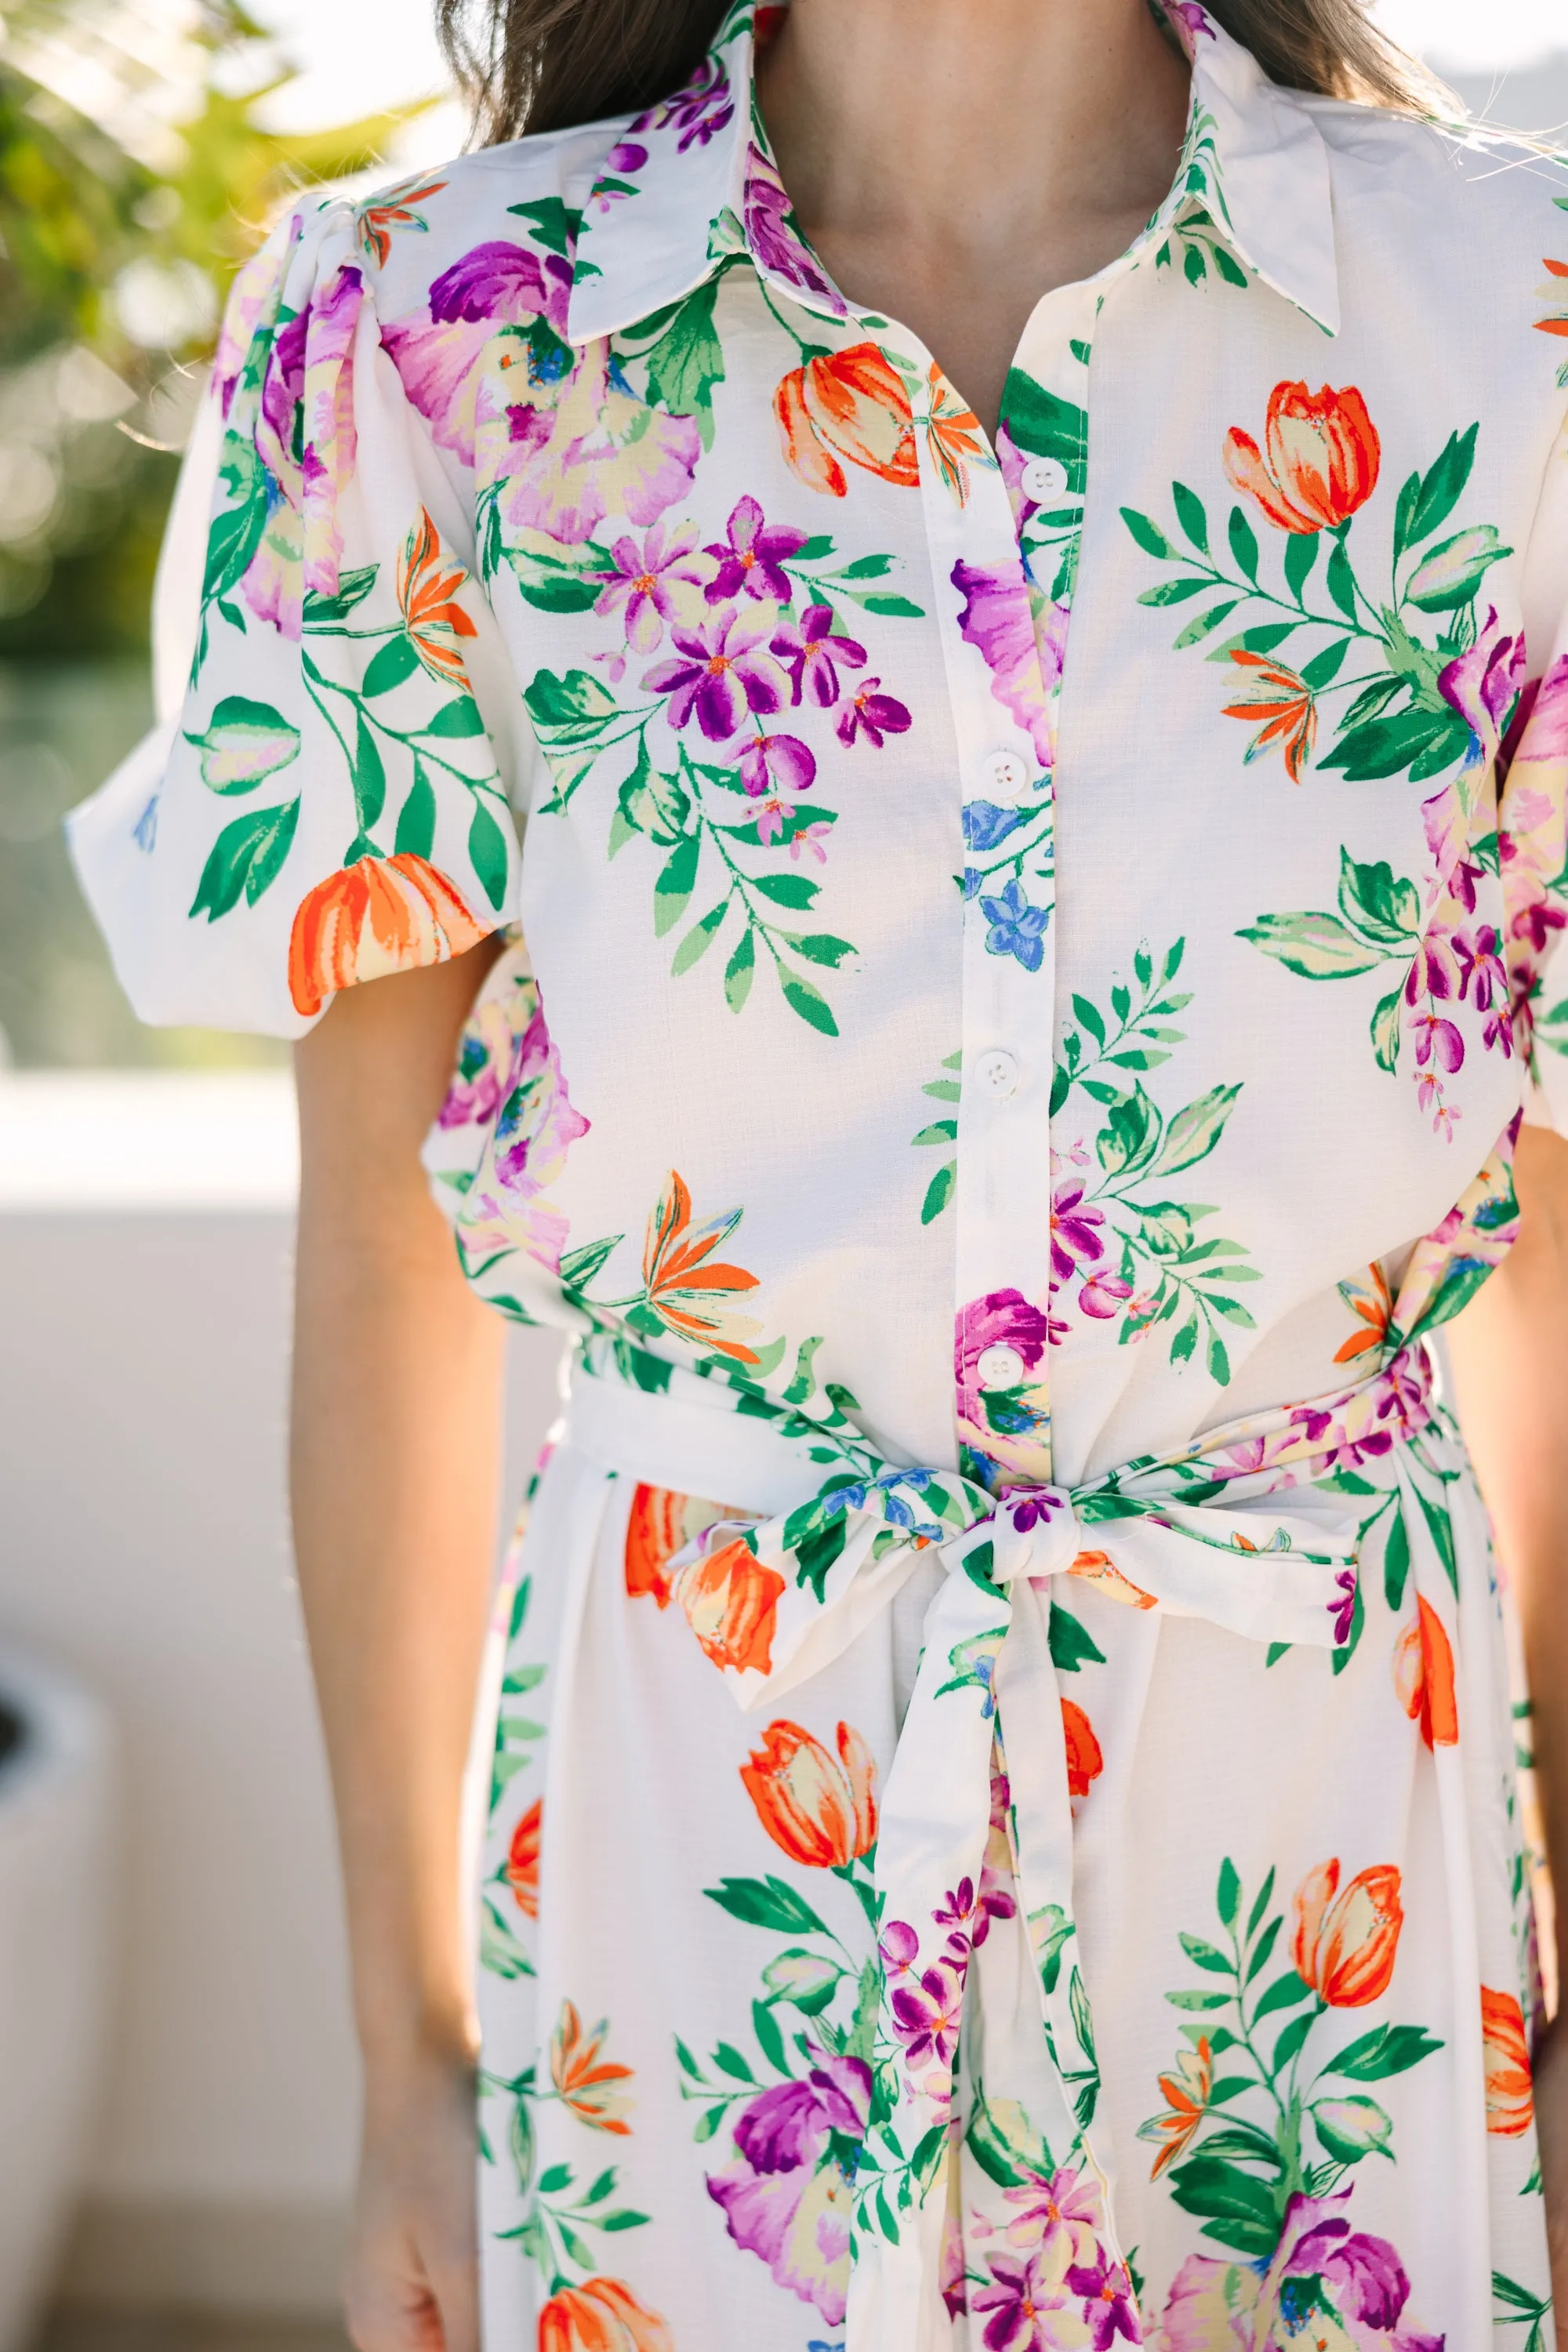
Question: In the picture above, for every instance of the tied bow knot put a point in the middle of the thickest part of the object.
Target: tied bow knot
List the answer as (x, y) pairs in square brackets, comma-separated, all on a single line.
[(1035, 1531)]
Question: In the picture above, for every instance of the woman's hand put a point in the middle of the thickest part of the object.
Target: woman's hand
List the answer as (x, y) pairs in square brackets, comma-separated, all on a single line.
[(411, 2283), (1552, 2128)]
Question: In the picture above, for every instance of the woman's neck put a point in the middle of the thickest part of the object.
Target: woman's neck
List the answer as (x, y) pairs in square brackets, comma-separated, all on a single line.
[(954, 160)]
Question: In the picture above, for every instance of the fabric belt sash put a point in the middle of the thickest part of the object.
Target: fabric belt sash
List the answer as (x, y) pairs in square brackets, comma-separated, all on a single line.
[(834, 1529)]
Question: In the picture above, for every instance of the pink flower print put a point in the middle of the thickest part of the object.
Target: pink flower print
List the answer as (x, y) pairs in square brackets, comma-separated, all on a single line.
[(781, 763), (926, 2016), (771, 817), (1438, 1042), (786, 2198), (1060, 2214), (1341, 1608), (588, 448), (721, 670), (900, 1947), (751, 561), (1075, 1231), (879, 715), (810, 654), (644, 580), (1104, 1295), (811, 837), (253, 291), (1539, 727)]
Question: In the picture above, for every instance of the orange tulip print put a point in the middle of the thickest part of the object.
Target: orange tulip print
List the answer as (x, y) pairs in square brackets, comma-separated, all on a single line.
[(1510, 2105), (1424, 1676), (1345, 1940), (1085, 1760), (847, 405), (732, 1600), (378, 916), (1186, 2093), (820, 1809), (1098, 1567), (521, 1867), (1284, 703), (603, 2315), (659, 1524), (1319, 462), (428, 583), (682, 1289), (589, 2086)]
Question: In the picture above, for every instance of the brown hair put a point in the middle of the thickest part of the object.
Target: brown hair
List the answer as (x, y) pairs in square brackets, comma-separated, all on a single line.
[(544, 65)]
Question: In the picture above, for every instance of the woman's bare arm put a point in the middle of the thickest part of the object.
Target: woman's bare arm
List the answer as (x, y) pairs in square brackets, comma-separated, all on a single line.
[(1509, 1354), (395, 1464)]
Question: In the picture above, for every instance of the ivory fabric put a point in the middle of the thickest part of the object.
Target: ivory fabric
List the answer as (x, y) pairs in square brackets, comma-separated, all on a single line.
[(1026, 961)]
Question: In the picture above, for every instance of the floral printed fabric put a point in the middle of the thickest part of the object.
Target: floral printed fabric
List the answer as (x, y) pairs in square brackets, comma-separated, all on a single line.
[(1003, 1111)]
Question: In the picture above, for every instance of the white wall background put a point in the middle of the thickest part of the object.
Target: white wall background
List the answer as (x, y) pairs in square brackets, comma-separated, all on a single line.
[(145, 1243)]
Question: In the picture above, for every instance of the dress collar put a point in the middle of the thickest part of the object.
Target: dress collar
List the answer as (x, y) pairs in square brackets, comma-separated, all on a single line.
[(691, 183)]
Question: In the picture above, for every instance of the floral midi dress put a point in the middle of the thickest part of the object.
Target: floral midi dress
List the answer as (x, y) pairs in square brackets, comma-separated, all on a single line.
[(1025, 960)]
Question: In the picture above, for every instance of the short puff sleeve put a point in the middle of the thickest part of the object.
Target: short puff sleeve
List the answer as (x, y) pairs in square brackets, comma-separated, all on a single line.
[(324, 800)]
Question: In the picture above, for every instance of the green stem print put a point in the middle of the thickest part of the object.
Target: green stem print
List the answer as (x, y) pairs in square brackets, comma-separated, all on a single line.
[(1375, 661), (1122, 1249), (753, 626), (1270, 2111), (560, 2211)]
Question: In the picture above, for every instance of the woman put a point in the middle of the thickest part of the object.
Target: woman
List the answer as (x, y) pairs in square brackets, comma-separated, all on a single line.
[(1105, 1916)]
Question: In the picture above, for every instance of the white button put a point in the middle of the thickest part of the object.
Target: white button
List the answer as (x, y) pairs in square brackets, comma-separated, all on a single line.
[(1000, 1367), (997, 1073), (1007, 773), (1045, 478)]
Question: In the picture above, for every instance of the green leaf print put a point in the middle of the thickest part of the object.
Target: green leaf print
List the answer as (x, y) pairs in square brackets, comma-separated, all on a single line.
[(686, 362), (553, 580), (766, 1903), (245, 742), (1233, 2140), (246, 859), (1326, 631), (1317, 945)]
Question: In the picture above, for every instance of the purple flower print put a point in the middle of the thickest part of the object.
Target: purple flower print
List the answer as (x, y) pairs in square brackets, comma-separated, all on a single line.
[(644, 580), (876, 714), (721, 671), (699, 109), (588, 448), (1188, 17), (1004, 1317), (1482, 685), (1104, 1295), (1020, 2294), (1341, 1608), (810, 653), (1075, 1231), (926, 2016), (778, 763), (784, 2199), (1538, 728), (775, 242), (1017, 928), (998, 620), (751, 559), (1109, 2308), (502, 283)]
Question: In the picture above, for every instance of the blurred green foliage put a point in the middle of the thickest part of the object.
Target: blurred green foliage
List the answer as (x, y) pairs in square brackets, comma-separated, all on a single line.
[(137, 171)]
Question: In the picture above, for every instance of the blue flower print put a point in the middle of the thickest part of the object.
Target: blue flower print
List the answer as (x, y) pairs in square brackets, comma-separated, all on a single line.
[(1016, 927)]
